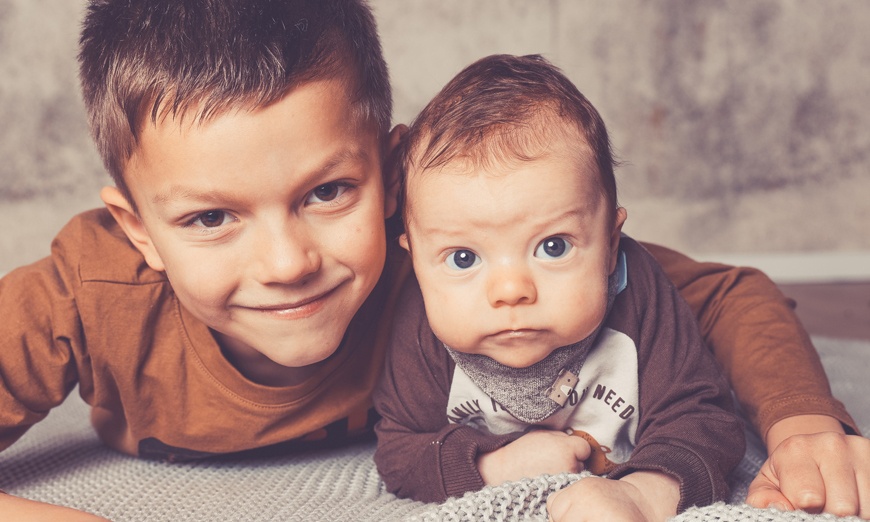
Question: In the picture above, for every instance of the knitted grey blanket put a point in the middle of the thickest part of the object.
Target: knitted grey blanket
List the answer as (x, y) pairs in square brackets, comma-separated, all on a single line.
[(61, 461)]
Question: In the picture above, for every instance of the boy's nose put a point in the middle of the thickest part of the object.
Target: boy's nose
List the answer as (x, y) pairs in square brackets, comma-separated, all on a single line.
[(286, 258), (510, 286)]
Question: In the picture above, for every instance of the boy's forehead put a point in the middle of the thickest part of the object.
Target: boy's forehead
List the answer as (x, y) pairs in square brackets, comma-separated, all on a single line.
[(305, 131), (204, 108), (168, 117)]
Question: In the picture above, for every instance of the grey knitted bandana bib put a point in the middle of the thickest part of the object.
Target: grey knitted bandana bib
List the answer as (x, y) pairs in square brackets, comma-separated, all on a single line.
[(526, 392)]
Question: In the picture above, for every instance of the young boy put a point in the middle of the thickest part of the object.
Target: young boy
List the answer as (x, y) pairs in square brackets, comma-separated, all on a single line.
[(539, 314), (237, 292)]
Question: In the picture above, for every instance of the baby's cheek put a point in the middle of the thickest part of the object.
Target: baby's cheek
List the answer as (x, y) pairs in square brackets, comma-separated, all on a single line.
[(585, 314), (451, 328)]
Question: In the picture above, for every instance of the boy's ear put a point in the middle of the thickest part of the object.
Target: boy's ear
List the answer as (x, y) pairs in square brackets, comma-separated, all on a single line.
[(615, 234), (393, 171), (132, 226)]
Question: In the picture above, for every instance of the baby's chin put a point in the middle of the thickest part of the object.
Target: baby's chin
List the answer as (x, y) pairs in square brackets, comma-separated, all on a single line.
[(518, 360)]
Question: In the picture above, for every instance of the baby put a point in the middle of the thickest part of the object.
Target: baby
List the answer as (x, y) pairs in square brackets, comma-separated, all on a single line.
[(536, 319)]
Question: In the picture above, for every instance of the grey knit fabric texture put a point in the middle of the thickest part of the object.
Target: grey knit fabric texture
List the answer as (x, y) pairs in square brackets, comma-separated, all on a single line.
[(61, 461)]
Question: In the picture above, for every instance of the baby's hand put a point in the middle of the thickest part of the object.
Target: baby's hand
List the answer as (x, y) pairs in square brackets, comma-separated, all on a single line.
[(639, 497), (827, 472), (535, 453)]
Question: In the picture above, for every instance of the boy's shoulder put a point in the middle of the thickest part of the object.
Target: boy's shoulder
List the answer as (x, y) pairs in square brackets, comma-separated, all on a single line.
[(95, 246)]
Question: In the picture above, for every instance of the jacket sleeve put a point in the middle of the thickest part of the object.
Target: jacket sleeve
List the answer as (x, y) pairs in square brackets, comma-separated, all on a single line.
[(420, 455), (757, 339), (687, 426), (39, 334)]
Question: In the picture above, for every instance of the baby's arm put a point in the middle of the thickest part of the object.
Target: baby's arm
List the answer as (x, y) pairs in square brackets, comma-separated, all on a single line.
[(687, 428), (778, 379), (420, 455), (23, 510), (536, 453)]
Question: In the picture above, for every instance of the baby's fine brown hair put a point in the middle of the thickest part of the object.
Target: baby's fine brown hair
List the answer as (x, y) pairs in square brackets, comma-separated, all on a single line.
[(506, 108)]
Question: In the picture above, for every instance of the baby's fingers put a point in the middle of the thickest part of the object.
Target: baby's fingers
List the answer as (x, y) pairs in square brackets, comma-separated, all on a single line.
[(582, 449)]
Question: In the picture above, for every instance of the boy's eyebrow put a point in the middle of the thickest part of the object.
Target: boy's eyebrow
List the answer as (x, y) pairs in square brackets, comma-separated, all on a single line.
[(215, 196), (179, 192)]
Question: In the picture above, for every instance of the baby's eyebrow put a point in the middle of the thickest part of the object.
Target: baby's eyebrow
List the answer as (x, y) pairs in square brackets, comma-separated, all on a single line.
[(579, 213)]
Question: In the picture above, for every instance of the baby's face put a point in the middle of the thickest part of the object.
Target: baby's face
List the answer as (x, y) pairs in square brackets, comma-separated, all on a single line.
[(269, 224), (513, 261)]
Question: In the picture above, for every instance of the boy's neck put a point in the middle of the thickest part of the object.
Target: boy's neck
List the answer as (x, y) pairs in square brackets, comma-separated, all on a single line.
[(258, 368)]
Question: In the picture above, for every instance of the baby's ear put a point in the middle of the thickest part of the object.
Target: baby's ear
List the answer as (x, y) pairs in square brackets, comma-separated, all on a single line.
[(123, 212), (403, 241), (615, 234), (392, 173)]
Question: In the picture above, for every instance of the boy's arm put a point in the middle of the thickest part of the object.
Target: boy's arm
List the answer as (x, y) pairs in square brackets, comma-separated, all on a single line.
[(23, 510), (38, 330), (757, 339), (780, 382)]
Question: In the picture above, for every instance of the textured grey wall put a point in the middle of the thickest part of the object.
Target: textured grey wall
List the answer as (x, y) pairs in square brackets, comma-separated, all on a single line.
[(742, 125)]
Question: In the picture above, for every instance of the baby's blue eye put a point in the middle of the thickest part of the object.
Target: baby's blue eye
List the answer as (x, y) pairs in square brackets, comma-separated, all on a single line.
[(553, 248), (462, 259)]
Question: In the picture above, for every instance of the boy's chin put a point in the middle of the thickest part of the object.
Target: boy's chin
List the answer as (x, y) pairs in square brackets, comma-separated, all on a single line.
[(284, 371), (281, 366), (310, 355)]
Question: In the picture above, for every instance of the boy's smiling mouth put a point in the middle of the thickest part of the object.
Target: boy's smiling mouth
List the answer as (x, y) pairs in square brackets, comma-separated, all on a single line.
[(298, 309)]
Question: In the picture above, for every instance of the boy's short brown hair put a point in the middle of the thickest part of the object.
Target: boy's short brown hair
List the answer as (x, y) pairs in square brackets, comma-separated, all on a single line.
[(150, 59), (504, 108)]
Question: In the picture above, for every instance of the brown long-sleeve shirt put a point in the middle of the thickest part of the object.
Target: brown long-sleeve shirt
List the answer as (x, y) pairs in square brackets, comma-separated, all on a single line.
[(95, 315)]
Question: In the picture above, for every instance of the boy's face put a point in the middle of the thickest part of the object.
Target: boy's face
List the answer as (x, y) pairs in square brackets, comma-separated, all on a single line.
[(513, 262), (269, 224)]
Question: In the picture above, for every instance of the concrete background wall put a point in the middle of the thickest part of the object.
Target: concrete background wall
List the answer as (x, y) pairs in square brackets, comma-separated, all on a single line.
[(743, 126)]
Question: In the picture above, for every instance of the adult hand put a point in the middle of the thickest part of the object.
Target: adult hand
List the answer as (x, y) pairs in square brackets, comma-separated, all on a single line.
[(820, 472), (535, 453)]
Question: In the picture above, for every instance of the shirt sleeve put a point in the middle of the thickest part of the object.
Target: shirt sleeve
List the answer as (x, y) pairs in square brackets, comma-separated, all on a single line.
[(39, 333), (687, 426), (757, 339), (420, 455)]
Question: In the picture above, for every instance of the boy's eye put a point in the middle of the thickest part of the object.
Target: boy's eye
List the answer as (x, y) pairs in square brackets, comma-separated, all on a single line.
[(210, 219), (462, 259), (553, 248), (326, 193)]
